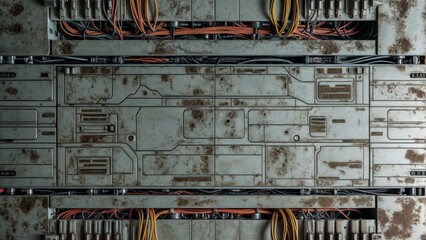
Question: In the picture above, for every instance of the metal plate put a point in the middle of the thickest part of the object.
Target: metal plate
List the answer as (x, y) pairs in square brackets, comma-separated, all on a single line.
[(23, 217), (212, 47), (398, 35), (220, 126), (24, 28), (401, 217)]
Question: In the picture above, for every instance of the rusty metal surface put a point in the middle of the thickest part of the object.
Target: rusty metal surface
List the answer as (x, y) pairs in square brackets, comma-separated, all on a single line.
[(24, 28), (213, 47), (205, 126), (23, 217), (213, 126), (205, 201), (402, 217), (397, 126), (402, 28), (28, 126)]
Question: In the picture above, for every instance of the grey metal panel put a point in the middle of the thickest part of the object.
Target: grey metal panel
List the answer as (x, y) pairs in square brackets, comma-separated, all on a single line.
[(402, 28), (401, 217), (398, 126), (23, 217), (213, 121), (213, 47), (24, 28), (28, 126), (205, 201)]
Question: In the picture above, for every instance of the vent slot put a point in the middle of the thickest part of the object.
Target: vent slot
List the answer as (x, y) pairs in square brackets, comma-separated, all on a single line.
[(336, 92), (94, 118), (93, 166), (318, 126)]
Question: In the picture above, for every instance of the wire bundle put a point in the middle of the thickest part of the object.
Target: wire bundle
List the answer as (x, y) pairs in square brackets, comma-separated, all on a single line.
[(147, 228), (289, 224), (142, 18), (289, 6)]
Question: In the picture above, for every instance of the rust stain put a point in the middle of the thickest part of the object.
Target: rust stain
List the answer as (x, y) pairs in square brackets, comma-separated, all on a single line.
[(382, 217), (32, 154), (197, 102), (192, 126), (359, 46), (419, 93), (11, 91), (105, 70), (92, 138), (88, 70), (124, 81), (363, 201), (231, 114), (402, 6), (197, 91), (16, 9), (204, 164), (409, 180), (26, 204), (324, 202), (208, 150), (376, 168), (400, 68), (238, 102), (13, 29), (191, 70), (415, 157), (401, 45), (197, 114), (165, 78), (402, 222), (190, 202), (66, 48)]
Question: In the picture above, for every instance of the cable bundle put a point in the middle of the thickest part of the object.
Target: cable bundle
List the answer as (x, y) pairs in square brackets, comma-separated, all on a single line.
[(289, 6), (289, 224), (142, 19), (147, 228)]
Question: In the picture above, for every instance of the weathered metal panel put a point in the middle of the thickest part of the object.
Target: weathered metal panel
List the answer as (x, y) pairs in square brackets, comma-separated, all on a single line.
[(402, 28), (213, 47), (220, 126), (397, 126), (23, 217), (24, 28), (27, 126), (212, 201), (401, 217)]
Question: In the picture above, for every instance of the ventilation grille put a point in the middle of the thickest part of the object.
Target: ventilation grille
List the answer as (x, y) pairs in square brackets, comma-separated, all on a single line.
[(93, 165), (338, 92), (318, 126)]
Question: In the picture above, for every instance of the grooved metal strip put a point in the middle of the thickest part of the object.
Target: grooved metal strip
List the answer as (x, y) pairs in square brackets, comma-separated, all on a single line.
[(202, 201)]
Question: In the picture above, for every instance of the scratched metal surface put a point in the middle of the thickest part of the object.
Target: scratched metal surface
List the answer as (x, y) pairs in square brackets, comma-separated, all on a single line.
[(24, 28), (401, 217), (211, 126), (23, 217)]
